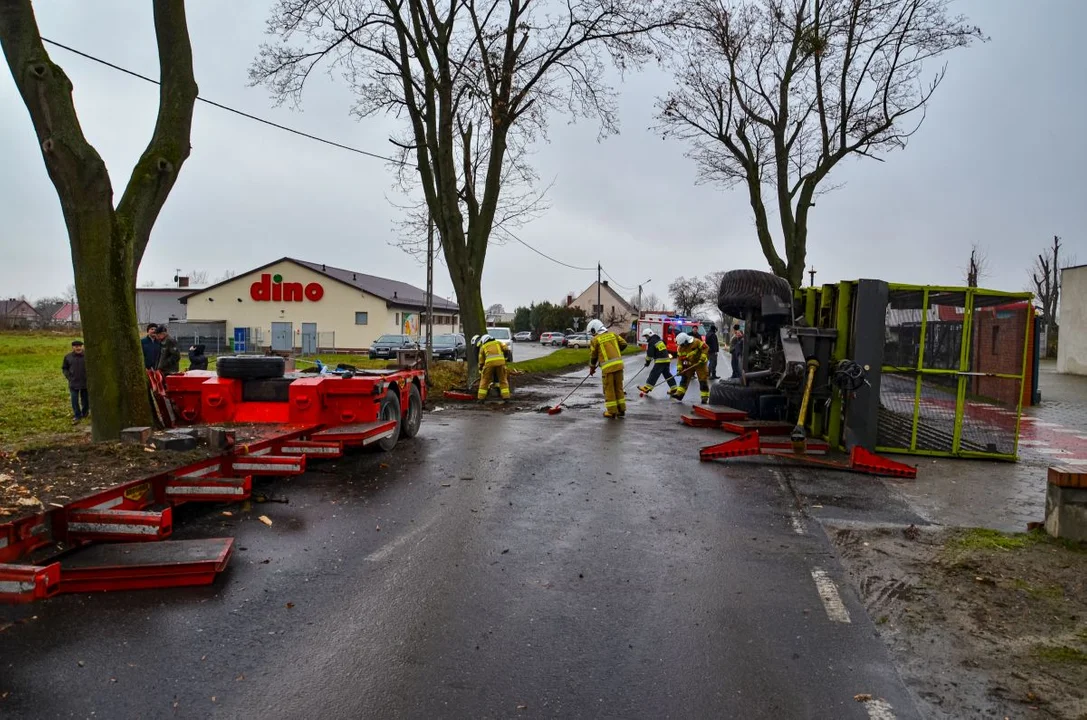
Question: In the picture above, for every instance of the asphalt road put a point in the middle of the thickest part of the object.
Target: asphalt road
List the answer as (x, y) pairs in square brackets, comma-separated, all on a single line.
[(531, 350), (499, 565)]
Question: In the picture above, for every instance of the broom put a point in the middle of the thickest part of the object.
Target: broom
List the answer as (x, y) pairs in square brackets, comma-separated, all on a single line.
[(558, 406)]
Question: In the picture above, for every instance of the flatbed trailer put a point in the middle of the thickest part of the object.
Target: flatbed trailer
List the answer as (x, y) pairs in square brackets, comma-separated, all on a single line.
[(117, 539)]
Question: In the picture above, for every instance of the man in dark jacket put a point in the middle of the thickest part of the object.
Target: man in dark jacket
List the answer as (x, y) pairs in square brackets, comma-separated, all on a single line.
[(74, 368), (169, 357), (736, 349), (197, 359), (715, 347), (151, 347)]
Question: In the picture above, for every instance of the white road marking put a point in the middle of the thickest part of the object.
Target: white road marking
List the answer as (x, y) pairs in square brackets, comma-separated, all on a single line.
[(794, 514), (1051, 451), (1074, 461), (1065, 430), (1047, 424), (384, 552), (879, 710), (1081, 437), (1032, 443), (828, 593)]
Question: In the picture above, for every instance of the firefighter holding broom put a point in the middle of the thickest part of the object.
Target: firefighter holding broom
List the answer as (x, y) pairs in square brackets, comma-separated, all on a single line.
[(656, 354), (606, 352), (693, 359)]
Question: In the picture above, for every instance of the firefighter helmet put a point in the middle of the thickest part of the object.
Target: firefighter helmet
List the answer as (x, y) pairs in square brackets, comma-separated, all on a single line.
[(484, 339), (647, 333), (683, 339), (595, 327), (474, 341)]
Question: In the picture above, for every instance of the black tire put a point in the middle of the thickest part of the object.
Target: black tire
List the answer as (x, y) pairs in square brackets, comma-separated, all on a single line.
[(742, 291), (390, 410), (413, 418), (250, 367), (740, 397)]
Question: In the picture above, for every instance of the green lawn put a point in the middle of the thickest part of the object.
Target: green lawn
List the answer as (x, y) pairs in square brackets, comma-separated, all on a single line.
[(33, 393), (562, 359)]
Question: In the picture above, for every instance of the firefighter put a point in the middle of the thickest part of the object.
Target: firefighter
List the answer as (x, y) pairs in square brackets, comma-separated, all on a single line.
[(656, 354), (693, 355), (606, 352), (492, 368)]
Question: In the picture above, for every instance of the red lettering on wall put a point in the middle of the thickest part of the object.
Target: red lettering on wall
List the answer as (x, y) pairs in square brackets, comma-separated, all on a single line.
[(315, 292), (261, 291), (277, 292), (292, 292)]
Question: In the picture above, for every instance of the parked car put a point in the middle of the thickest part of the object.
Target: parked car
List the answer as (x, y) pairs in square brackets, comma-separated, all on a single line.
[(552, 338), (504, 336), (523, 336), (449, 346), (580, 340), (387, 345)]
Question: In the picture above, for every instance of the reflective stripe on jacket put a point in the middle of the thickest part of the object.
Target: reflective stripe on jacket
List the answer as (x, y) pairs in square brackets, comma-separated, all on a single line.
[(607, 352), (660, 352), (692, 353), (492, 354)]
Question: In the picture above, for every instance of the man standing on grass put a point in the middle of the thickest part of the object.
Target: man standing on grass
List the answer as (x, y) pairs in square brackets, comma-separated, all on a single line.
[(170, 357), (74, 368), (151, 347)]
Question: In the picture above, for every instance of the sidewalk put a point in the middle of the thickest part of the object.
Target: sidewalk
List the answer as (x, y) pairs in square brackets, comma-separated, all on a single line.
[(1006, 496)]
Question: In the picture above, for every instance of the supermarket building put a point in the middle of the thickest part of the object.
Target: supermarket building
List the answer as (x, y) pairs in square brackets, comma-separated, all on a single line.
[(291, 305)]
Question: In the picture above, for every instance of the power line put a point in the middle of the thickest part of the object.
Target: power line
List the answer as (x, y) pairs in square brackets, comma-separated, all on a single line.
[(227, 108), (616, 282), (300, 133)]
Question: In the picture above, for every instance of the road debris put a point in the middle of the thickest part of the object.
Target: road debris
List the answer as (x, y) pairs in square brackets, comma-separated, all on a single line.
[(266, 520)]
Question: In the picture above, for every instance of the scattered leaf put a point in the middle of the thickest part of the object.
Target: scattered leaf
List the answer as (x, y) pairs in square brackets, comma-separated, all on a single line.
[(862, 697), (28, 502), (266, 520), (227, 513), (290, 605)]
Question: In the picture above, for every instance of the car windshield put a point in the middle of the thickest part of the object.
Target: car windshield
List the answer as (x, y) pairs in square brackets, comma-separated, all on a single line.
[(391, 339), (499, 333), (445, 340)]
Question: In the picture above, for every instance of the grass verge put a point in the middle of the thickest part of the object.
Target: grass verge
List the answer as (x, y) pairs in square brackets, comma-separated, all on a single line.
[(34, 400), (561, 360)]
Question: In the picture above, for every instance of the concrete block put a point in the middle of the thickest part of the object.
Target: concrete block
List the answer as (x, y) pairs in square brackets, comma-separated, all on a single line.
[(174, 441), (219, 438), (1069, 477), (1066, 512), (136, 435)]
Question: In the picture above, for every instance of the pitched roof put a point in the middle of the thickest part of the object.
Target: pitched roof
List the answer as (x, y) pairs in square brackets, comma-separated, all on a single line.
[(392, 292), (15, 307), (66, 312)]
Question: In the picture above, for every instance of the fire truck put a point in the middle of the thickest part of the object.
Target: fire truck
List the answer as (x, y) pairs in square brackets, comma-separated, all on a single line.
[(667, 326)]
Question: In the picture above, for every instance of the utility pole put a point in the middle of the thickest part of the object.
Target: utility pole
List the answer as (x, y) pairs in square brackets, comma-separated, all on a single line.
[(429, 290), (599, 304), (812, 274)]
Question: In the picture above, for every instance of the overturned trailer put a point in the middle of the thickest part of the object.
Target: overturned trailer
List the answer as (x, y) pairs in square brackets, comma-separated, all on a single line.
[(925, 370)]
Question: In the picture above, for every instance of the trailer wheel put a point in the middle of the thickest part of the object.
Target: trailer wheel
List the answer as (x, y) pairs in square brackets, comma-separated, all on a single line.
[(414, 416), (740, 397), (390, 410), (742, 291), (249, 367)]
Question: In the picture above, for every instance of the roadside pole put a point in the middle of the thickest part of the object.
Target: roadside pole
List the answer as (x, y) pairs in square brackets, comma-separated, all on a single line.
[(429, 291)]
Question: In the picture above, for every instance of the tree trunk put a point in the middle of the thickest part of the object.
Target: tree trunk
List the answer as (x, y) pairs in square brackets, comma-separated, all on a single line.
[(470, 302), (104, 278)]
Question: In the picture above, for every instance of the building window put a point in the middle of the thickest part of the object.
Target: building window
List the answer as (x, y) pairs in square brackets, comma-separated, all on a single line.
[(362, 318)]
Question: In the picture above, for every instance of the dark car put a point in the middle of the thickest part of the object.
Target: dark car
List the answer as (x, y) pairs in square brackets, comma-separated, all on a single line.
[(387, 345), (450, 346)]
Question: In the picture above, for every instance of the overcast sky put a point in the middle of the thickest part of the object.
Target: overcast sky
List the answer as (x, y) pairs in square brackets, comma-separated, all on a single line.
[(1000, 161)]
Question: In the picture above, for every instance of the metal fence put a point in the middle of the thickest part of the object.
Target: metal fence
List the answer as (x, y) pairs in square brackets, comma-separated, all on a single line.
[(954, 371)]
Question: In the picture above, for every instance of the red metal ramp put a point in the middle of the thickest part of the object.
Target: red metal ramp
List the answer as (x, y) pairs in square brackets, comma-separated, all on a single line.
[(357, 433), (764, 427), (719, 413), (138, 566), (860, 460)]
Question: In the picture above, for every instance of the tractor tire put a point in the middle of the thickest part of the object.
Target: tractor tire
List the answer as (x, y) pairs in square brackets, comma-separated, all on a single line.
[(249, 367), (413, 418), (742, 291), (390, 410), (740, 397)]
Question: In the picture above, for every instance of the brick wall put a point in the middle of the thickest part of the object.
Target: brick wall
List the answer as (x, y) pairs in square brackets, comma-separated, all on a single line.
[(998, 348)]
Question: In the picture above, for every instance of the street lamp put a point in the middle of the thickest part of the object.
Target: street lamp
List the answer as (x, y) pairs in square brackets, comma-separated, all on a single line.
[(640, 294)]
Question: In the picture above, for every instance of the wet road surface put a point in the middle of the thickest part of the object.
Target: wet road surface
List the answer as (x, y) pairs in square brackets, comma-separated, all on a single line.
[(499, 565)]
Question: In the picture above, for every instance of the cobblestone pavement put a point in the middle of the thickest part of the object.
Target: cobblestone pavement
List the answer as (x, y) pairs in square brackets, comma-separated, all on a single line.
[(1007, 496)]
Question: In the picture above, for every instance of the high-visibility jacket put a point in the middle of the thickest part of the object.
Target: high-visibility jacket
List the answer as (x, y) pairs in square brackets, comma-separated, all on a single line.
[(657, 351), (607, 352), (692, 353), (492, 354)]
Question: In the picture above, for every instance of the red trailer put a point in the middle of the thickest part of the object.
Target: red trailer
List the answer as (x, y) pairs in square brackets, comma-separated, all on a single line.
[(109, 540)]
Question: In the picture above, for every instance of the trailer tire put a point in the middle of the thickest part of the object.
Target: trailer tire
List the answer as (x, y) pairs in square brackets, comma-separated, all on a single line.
[(740, 397), (742, 291), (390, 410), (413, 418), (250, 367)]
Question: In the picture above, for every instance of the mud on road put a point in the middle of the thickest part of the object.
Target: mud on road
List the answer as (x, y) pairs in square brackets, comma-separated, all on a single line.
[(981, 624)]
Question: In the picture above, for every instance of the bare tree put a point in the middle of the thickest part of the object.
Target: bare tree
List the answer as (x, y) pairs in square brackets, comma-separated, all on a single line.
[(474, 81), (649, 302), (227, 274), (1046, 283), (107, 242), (496, 309), (977, 267), (773, 94), (689, 294), (198, 278)]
